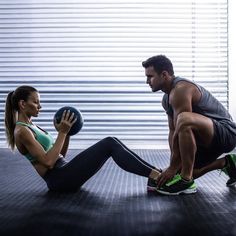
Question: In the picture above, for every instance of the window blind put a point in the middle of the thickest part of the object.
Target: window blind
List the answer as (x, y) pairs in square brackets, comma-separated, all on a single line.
[(88, 54)]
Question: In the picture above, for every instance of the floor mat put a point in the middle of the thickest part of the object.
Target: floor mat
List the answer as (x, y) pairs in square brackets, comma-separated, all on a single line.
[(113, 202)]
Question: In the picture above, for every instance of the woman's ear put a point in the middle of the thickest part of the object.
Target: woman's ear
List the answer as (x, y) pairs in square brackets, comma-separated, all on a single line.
[(21, 104)]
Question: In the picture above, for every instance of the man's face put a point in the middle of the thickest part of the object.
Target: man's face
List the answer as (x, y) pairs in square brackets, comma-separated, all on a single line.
[(154, 80)]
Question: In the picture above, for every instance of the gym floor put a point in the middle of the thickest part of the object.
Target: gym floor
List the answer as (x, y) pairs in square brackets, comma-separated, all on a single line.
[(113, 202)]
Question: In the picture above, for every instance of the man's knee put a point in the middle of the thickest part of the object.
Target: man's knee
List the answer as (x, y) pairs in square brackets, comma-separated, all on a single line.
[(184, 121)]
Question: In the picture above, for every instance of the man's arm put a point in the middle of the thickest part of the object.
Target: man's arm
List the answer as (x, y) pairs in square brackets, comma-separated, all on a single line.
[(181, 101), (175, 160)]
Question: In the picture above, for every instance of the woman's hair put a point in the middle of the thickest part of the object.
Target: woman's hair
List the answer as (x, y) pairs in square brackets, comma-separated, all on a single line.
[(160, 63), (12, 101)]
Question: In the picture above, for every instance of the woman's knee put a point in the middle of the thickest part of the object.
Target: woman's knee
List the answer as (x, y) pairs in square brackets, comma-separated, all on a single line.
[(110, 140)]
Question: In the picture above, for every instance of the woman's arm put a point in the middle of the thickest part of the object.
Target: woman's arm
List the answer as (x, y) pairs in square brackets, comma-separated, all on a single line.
[(26, 138), (65, 146)]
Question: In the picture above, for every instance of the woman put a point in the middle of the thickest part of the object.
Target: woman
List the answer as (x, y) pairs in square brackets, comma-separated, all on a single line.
[(47, 156)]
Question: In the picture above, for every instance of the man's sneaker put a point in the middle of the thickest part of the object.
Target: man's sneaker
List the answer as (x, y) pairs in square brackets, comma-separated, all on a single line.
[(177, 186), (152, 183), (231, 182), (230, 169)]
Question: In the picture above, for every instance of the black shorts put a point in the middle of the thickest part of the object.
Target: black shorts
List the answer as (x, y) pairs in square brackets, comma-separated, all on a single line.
[(223, 141)]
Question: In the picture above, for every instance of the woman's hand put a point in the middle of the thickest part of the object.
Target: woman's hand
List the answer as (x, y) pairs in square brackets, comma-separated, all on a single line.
[(67, 121)]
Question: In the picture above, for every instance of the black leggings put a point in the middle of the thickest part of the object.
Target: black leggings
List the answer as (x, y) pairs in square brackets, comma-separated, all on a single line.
[(72, 175)]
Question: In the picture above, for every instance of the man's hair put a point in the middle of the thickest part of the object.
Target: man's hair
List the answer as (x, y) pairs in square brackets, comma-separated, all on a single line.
[(160, 63)]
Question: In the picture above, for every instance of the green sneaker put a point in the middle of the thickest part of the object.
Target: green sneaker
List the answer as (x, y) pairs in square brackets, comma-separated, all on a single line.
[(230, 169), (177, 186)]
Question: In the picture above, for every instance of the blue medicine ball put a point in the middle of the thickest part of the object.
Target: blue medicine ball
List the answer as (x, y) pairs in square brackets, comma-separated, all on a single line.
[(77, 125)]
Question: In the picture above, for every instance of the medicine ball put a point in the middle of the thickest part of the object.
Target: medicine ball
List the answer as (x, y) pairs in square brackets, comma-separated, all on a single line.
[(76, 127)]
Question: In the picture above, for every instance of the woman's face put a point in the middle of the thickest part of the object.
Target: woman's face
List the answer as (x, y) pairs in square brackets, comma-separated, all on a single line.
[(32, 106)]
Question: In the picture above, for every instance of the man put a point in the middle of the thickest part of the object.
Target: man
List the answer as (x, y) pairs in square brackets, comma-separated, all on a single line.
[(200, 129)]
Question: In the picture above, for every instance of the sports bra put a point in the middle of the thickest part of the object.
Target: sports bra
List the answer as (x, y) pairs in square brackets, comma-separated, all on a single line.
[(43, 137)]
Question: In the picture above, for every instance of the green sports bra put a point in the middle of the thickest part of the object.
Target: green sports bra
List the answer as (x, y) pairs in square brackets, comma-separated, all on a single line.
[(43, 137)]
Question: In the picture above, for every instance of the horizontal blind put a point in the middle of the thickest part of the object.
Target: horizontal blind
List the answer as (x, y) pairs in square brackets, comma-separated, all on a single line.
[(88, 54)]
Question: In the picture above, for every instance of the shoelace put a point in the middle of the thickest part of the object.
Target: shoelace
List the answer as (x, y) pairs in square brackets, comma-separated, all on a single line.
[(224, 169)]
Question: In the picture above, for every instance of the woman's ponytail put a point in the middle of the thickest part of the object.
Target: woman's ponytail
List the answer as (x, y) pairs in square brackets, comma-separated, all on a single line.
[(10, 120)]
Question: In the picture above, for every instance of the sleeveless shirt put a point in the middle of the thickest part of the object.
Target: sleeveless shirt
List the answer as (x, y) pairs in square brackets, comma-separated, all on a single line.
[(207, 106)]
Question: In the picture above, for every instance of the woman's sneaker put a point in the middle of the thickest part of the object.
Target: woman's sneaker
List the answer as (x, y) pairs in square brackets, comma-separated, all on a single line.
[(230, 169), (152, 183)]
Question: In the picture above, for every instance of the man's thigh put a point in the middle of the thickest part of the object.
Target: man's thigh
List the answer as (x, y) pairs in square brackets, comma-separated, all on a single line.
[(202, 126), (223, 141)]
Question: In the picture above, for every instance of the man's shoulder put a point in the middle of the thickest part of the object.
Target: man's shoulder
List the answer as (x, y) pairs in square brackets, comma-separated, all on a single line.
[(185, 88)]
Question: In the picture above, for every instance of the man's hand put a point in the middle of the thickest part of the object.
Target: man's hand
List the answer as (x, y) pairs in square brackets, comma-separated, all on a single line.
[(165, 176)]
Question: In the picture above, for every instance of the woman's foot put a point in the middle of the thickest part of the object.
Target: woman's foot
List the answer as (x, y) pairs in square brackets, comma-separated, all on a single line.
[(152, 183)]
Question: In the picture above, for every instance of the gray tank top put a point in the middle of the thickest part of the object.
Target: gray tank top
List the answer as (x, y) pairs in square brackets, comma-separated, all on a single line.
[(208, 106)]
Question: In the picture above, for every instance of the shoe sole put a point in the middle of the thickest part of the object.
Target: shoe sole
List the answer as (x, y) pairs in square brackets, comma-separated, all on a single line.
[(186, 191), (151, 189)]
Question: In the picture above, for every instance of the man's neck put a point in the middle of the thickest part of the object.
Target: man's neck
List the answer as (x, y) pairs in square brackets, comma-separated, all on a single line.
[(169, 85)]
